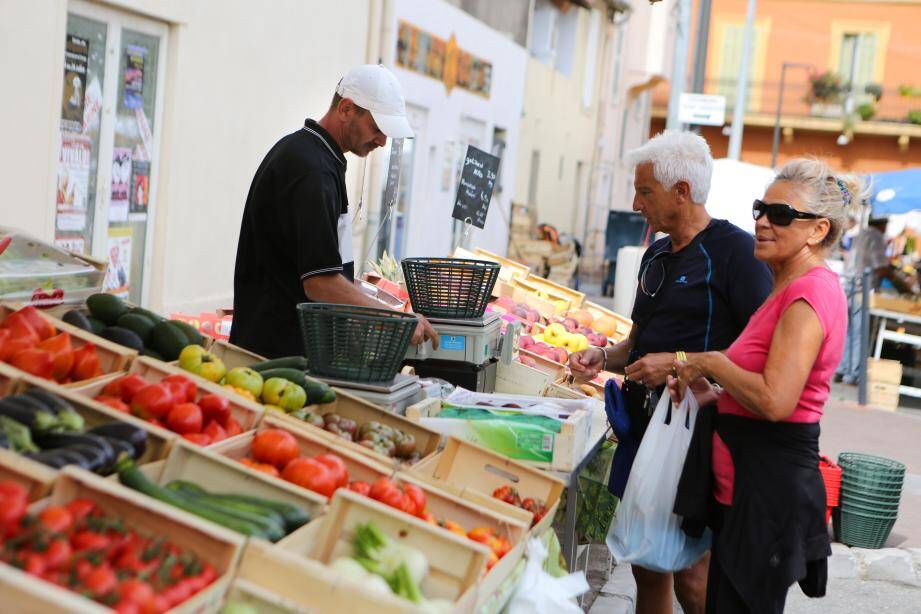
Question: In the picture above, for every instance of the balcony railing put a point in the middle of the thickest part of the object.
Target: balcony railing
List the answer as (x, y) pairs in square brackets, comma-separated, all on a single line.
[(763, 96)]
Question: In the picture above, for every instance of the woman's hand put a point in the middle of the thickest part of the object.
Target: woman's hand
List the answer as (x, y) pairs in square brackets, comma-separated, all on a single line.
[(586, 364), (705, 392)]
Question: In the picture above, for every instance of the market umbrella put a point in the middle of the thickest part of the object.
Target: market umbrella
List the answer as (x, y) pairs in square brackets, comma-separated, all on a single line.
[(733, 188), (896, 192)]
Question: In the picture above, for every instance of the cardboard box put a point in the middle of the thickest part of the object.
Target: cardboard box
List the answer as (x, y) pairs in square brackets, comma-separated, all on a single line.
[(883, 396), (883, 371)]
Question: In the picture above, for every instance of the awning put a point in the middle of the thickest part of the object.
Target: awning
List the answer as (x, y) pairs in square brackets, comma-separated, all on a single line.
[(896, 192)]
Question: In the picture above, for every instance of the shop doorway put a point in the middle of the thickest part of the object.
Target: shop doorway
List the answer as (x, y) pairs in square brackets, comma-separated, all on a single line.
[(109, 138)]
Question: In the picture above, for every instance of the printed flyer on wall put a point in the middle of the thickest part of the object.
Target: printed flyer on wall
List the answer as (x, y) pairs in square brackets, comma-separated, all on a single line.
[(119, 252), (76, 52), (134, 76), (140, 186), (74, 244), (121, 184), (74, 172)]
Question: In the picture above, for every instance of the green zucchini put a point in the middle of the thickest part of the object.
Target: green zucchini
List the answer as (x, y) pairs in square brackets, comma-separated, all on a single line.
[(292, 515), (292, 375), (131, 476), (288, 362)]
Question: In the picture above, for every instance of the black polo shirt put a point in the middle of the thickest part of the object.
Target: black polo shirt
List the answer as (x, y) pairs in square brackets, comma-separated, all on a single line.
[(701, 297), (295, 225)]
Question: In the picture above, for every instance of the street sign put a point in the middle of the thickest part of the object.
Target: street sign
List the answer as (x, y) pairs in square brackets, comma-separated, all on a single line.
[(474, 190), (702, 109)]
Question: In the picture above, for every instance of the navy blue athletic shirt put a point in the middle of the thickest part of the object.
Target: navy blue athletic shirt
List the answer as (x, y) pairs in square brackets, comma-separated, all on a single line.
[(701, 297)]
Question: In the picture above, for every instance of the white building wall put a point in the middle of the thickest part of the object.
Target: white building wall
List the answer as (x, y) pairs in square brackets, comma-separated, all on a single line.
[(448, 116)]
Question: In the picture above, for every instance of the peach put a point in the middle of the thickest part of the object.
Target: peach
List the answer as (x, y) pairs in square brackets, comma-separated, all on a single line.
[(527, 360)]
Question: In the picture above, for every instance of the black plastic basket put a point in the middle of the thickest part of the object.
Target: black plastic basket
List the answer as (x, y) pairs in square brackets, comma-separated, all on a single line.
[(359, 344), (449, 287)]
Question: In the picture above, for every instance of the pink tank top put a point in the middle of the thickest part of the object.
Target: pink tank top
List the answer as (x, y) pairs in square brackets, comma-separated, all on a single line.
[(820, 288)]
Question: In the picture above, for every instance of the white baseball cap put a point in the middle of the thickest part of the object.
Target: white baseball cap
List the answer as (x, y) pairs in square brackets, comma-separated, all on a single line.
[(375, 88)]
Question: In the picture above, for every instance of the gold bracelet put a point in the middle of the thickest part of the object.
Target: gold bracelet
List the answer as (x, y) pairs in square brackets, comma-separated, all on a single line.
[(681, 356), (604, 359)]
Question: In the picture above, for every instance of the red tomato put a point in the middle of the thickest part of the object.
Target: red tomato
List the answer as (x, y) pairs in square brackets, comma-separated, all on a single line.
[(101, 580), (42, 327), (34, 564), (184, 418), (56, 518), (127, 607), (152, 401), (481, 534), (232, 427), (263, 467), (387, 492), (114, 402), (417, 496), (215, 407), (198, 438), (337, 466), (81, 508), (187, 387), (4, 340), (20, 328), (275, 446), (86, 363), (87, 540), (13, 502), (215, 431), (125, 387), (58, 553), (61, 349), (36, 361), (135, 591), (177, 593), (362, 488), (156, 605), (311, 474)]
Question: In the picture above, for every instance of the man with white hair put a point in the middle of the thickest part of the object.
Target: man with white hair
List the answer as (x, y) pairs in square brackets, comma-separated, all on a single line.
[(698, 287)]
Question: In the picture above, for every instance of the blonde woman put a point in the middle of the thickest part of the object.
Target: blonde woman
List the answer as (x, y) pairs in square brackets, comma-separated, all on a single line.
[(771, 386)]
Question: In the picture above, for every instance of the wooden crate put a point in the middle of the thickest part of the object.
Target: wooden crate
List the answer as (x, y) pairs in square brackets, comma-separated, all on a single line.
[(38, 477), (355, 408), (518, 378), (219, 474), (546, 307), (899, 304), (510, 268), (555, 370), (884, 371), (883, 396), (261, 599), (214, 544), (361, 468), (624, 324), (553, 290), (309, 584), (456, 563), (233, 355), (9, 379), (113, 358), (565, 388), (475, 470), (568, 444), (247, 413)]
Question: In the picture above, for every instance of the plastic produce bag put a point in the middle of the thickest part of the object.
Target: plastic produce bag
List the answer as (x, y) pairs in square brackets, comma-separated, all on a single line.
[(540, 593), (645, 531)]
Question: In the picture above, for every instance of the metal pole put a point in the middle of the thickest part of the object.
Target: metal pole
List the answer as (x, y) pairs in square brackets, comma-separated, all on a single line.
[(864, 336), (776, 145), (700, 51), (679, 64), (738, 113)]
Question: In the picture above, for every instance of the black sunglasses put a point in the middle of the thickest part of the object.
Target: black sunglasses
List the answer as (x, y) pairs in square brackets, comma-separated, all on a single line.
[(780, 214)]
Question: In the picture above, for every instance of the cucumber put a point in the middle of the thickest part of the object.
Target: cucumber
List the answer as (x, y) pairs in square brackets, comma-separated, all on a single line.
[(288, 362), (131, 476), (254, 506), (318, 392), (292, 515), (292, 375)]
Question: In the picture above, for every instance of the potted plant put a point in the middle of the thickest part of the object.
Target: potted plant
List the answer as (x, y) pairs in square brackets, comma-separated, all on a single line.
[(866, 111), (825, 94), (911, 92)]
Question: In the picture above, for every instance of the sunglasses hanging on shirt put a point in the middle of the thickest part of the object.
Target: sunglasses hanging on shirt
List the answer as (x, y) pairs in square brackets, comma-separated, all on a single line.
[(779, 214)]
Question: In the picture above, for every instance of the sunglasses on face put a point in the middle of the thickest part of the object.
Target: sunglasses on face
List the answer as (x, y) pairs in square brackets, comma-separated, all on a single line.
[(779, 214)]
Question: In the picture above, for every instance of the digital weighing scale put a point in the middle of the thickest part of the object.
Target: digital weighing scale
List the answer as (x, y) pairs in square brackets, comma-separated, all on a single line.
[(468, 351), (394, 396)]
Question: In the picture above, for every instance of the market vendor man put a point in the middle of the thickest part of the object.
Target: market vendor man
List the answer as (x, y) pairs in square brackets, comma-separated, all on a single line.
[(296, 235)]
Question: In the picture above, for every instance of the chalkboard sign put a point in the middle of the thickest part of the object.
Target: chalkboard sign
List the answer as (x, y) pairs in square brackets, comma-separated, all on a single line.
[(475, 188)]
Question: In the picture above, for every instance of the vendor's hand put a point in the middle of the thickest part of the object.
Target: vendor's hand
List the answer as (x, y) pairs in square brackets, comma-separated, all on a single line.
[(651, 369), (586, 364), (424, 332)]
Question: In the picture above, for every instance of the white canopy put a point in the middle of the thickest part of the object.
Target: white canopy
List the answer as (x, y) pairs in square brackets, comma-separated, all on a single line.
[(734, 186)]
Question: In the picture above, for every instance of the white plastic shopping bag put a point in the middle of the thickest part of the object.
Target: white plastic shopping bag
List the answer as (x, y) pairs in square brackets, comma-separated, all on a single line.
[(645, 531), (540, 593)]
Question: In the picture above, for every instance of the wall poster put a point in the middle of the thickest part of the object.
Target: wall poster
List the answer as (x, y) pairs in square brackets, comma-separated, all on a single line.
[(74, 173), (117, 277), (121, 184), (76, 54), (134, 76)]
